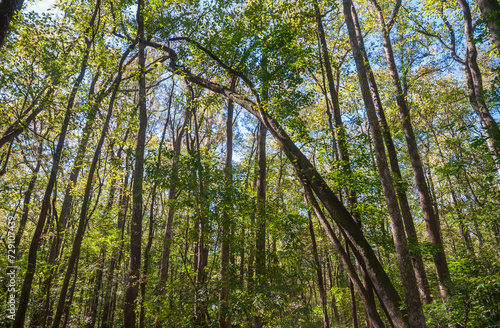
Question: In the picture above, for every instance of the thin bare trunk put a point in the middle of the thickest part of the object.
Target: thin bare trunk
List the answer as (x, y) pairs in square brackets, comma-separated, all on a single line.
[(172, 195), (226, 223)]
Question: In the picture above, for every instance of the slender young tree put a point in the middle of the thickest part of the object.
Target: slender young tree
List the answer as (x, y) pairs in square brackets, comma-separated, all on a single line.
[(226, 216), (173, 193)]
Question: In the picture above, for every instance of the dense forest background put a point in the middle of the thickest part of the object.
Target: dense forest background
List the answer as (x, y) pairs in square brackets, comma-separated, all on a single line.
[(250, 164)]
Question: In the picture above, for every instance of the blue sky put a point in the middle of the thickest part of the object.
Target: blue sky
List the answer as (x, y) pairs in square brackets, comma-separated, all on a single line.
[(40, 6)]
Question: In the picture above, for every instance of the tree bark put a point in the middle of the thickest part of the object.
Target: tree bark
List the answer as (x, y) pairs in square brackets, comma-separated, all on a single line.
[(133, 278), (226, 216), (8, 9), (415, 160), (490, 10), (412, 299), (475, 86), (35, 242), (83, 219)]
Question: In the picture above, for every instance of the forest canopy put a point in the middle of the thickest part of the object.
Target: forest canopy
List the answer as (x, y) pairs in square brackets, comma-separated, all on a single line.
[(250, 163)]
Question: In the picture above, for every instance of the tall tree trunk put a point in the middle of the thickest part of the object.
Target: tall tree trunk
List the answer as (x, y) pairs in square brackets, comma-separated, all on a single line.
[(132, 289), (172, 196), (260, 233), (430, 218), (226, 216), (201, 248), (151, 213), (382, 284), (412, 298), (35, 242), (475, 86), (490, 10), (340, 133), (391, 150), (83, 219)]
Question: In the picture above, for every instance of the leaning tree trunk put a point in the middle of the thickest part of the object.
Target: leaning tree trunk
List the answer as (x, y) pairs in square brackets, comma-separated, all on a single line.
[(35, 242), (83, 219), (368, 303), (365, 254), (430, 218), (416, 316)]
